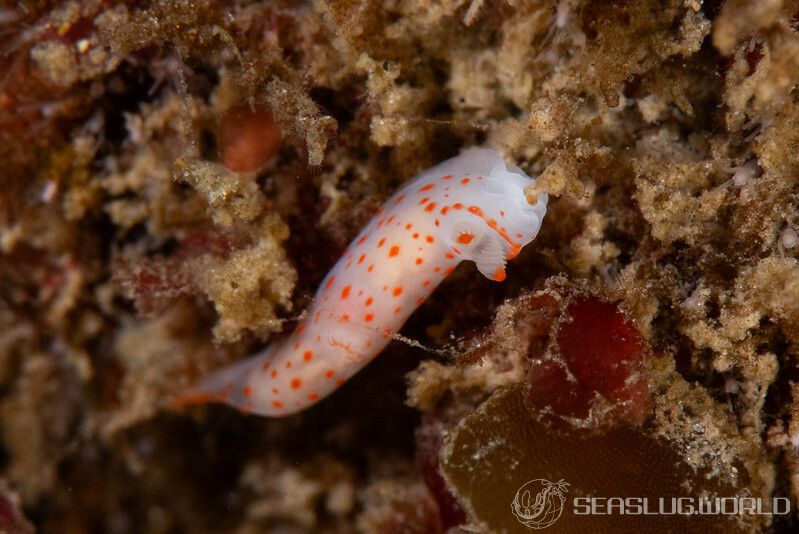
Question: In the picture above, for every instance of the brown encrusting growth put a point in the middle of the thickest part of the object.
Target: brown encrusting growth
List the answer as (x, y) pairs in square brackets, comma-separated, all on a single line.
[(177, 177)]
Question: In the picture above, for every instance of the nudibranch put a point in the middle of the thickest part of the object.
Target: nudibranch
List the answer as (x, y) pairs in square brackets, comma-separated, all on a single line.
[(471, 207)]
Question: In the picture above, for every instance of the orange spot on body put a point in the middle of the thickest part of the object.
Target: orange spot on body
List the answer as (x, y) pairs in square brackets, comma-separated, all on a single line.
[(444, 210), (447, 177), (397, 291), (437, 269), (308, 356), (360, 260), (427, 187), (296, 383), (330, 373), (368, 302), (514, 251), (399, 199), (465, 181), (416, 235), (345, 292), (288, 365), (408, 226), (438, 223), (247, 391), (371, 268), (277, 404), (388, 221), (361, 240), (330, 282), (457, 206), (476, 210), (339, 381), (426, 283), (393, 251), (465, 239), (425, 200), (368, 317), (397, 309), (296, 345), (266, 365), (499, 274), (429, 239), (313, 396), (419, 261), (300, 329), (274, 374), (449, 269), (381, 242), (430, 207), (345, 317), (419, 300)]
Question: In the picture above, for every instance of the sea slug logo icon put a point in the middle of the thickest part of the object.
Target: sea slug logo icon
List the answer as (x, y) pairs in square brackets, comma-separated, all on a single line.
[(539, 503)]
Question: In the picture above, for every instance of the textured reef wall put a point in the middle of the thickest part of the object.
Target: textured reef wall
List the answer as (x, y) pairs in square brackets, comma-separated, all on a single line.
[(177, 177)]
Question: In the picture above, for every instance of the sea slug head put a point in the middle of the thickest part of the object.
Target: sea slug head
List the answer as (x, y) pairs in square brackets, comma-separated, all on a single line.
[(507, 216)]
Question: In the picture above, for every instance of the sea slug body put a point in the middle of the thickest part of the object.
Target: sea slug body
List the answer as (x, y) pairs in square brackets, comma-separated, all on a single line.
[(471, 207)]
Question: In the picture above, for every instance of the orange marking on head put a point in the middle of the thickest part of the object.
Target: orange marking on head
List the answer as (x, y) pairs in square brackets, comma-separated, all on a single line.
[(368, 317), (330, 282), (393, 251), (345, 292), (429, 239), (499, 274), (444, 210), (247, 391), (371, 267), (313, 396), (465, 181), (397, 291), (447, 177), (308, 356), (360, 260), (427, 187), (476, 210), (426, 283), (449, 269), (277, 404), (430, 207), (296, 383), (330, 373), (368, 302), (457, 206), (424, 200), (381, 242), (465, 239), (419, 261)]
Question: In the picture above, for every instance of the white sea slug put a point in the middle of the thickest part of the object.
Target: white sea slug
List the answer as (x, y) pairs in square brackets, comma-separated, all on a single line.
[(471, 207)]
